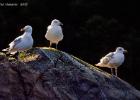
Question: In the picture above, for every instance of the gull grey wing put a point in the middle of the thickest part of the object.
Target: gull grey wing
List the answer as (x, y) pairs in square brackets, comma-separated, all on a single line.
[(110, 55), (15, 42), (107, 58)]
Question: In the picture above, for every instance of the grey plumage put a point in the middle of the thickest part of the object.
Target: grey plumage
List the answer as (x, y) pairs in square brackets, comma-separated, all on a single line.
[(21, 43), (54, 32), (113, 59)]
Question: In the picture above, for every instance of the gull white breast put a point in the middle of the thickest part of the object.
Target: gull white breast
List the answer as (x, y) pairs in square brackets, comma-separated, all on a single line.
[(113, 60)]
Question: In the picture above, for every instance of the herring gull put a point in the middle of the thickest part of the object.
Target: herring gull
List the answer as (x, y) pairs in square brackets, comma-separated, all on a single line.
[(113, 60), (54, 32), (21, 43)]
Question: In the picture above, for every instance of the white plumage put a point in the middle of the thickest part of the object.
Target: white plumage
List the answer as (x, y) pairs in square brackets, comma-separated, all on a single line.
[(113, 59), (21, 43), (54, 32)]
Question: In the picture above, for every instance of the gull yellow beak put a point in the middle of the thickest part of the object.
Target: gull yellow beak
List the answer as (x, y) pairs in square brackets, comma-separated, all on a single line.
[(61, 23), (22, 29), (125, 51)]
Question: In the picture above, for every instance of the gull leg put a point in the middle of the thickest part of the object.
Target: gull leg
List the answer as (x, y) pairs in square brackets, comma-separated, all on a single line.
[(56, 45), (50, 44), (111, 71), (116, 71)]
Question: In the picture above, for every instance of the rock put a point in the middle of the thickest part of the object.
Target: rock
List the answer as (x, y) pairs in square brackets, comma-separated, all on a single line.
[(49, 74)]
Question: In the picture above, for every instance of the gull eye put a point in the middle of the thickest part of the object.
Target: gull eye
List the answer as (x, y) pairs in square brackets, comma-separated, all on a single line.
[(55, 21), (120, 49)]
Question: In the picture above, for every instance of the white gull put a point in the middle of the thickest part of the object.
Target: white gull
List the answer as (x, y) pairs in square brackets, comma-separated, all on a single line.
[(113, 60), (54, 32), (21, 43)]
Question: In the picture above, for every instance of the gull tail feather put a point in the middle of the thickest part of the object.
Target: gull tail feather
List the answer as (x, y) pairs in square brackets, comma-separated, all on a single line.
[(7, 49), (13, 53), (101, 65)]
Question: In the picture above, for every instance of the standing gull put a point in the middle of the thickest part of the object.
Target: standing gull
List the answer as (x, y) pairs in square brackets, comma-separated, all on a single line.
[(21, 43), (113, 60), (54, 32)]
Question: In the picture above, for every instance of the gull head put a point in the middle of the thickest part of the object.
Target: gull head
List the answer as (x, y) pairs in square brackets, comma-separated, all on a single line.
[(27, 28), (121, 50), (56, 22)]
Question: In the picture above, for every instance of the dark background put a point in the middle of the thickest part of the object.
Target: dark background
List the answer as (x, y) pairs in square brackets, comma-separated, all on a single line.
[(91, 28)]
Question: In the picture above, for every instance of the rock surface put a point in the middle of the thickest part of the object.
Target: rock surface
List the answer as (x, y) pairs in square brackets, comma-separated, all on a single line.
[(49, 74)]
